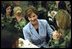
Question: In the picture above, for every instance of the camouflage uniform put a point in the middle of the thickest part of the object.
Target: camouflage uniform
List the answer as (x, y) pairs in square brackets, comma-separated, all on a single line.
[(64, 28), (6, 22), (19, 26), (63, 42)]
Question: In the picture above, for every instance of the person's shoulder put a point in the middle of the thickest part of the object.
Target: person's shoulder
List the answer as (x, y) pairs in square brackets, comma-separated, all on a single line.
[(43, 21), (26, 27)]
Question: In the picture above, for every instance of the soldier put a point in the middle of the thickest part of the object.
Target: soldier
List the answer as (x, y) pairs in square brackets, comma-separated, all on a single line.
[(18, 20), (63, 23), (6, 18)]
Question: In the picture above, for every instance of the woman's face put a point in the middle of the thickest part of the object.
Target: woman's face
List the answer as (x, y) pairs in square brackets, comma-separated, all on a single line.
[(18, 14), (8, 10), (33, 18)]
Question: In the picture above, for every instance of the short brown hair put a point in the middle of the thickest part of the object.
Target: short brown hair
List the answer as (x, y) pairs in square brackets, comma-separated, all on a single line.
[(29, 10)]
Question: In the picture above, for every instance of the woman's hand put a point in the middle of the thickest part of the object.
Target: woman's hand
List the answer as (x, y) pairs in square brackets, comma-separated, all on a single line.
[(56, 35)]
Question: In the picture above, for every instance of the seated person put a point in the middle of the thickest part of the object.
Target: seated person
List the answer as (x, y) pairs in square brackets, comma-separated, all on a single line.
[(37, 31)]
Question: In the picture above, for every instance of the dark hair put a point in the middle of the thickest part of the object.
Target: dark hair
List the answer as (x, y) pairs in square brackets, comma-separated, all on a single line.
[(62, 5), (6, 6), (29, 10), (8, 38)]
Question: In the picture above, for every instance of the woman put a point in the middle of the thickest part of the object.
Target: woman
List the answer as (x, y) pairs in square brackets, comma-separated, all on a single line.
[(36, 31), (7, 18), (63, 23), (18, 20)]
